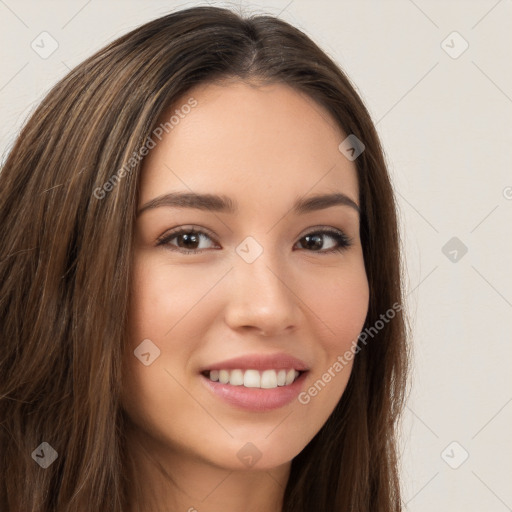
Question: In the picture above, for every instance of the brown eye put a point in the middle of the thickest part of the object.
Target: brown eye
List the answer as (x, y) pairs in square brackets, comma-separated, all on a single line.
[(188, 240), (315, 240)]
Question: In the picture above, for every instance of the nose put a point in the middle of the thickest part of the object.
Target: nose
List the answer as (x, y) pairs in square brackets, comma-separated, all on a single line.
[(261, 298)]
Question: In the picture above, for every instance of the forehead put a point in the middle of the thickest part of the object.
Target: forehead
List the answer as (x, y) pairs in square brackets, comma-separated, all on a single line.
[(255, 143)]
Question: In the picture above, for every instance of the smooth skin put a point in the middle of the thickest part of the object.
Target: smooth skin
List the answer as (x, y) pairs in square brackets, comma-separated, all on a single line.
[(264, 147)]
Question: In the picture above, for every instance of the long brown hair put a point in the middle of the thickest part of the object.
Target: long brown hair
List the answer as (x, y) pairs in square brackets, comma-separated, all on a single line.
[(65, 260)]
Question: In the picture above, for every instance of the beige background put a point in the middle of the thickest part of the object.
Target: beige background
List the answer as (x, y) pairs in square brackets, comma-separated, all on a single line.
[(445, 122)]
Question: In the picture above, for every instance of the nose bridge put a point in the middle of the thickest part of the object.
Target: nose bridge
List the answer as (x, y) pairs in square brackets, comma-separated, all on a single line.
[(261, 296)]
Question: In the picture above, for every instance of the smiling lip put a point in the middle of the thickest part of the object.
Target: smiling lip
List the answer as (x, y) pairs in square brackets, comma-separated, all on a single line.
[(257, 399), (259, 362)]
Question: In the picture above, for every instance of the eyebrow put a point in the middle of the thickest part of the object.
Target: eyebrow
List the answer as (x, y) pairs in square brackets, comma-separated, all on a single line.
[(224, 204)]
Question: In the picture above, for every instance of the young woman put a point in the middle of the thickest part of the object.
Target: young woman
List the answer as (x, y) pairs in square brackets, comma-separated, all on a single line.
[(201, 304)]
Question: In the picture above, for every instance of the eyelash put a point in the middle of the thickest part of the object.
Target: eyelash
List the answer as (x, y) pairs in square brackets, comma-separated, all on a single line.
[(343, 240)]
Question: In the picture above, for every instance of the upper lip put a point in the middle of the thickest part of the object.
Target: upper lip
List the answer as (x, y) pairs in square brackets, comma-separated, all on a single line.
[(279, 361)]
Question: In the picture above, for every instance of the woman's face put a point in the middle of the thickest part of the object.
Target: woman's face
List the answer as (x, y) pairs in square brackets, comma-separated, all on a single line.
[(266, 287)]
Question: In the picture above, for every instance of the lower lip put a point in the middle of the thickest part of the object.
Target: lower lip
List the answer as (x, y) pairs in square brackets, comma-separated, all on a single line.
[(256, 399)]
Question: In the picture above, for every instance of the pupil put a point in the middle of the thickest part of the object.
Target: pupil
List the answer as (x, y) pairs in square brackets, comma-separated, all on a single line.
[(317, 241), (187, 238)]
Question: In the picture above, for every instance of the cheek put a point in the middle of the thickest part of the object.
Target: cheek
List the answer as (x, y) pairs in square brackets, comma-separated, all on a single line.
[(339, 300), (166, 298), (344, 309)]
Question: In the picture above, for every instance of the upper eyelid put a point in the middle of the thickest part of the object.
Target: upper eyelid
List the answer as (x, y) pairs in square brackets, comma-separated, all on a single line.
[(187, 229), (203, 230)]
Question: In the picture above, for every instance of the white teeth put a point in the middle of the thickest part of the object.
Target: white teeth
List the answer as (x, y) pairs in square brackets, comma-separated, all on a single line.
[(252, 379), (290, 377), (267, 379), (236, 378)]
